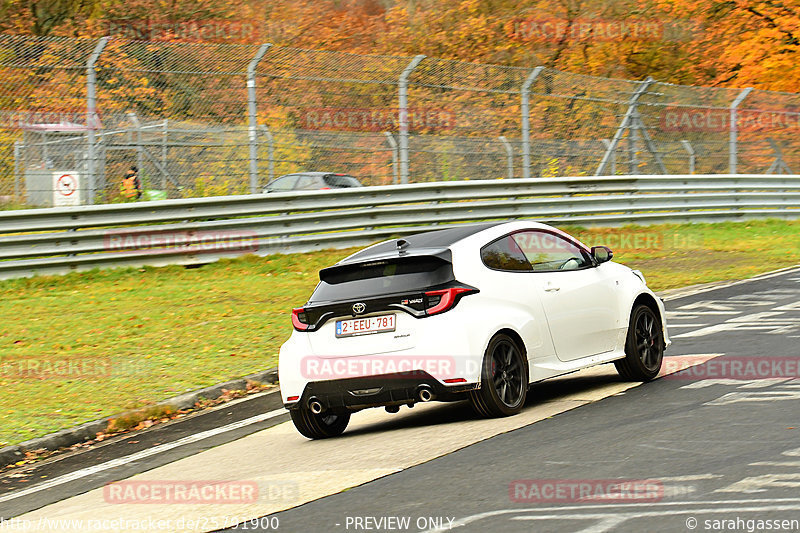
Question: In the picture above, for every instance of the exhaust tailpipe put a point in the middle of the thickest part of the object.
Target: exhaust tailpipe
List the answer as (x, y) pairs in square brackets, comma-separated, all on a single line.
[(315, 406), (424, 393)]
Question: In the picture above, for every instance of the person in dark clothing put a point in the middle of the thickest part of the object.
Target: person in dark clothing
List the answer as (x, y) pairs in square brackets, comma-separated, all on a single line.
[(131, 186)]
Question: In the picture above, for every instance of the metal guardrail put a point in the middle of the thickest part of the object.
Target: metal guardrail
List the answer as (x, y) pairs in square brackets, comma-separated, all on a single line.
[(196, 231)]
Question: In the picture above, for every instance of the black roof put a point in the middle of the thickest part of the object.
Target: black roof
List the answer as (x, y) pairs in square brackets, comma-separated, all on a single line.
[(313, 174), (430, 240)]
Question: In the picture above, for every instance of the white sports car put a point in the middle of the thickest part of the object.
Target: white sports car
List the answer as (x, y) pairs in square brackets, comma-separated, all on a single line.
[(474, 312)]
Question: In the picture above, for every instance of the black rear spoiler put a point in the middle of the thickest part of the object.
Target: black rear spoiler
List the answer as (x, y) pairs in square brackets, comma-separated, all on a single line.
[(375, 266)]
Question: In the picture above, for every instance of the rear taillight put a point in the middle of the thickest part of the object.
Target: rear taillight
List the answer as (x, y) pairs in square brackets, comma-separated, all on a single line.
[(442, 300), (299, 319)]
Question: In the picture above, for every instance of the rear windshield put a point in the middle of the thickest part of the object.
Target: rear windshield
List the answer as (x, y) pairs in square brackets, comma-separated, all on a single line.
[(332, 180), (378, 278)]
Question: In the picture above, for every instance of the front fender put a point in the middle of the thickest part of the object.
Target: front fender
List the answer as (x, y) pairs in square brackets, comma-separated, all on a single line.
[(634, 289)]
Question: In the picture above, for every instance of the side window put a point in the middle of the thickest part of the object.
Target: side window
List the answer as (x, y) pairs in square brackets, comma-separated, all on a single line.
[(305, 183), (340, 181), (547, 252), (283, 184), (504, 254)]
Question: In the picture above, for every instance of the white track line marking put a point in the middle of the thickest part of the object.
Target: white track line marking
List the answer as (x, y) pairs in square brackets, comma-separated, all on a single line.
[(120, 461), (790, 504), (607, 521), (724, 285), (693, 477)]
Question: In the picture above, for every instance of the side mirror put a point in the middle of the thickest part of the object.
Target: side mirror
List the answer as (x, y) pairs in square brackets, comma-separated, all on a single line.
[(602, 254)]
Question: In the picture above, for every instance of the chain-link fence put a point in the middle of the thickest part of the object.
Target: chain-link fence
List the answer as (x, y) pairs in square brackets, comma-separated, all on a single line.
[(202, 120)]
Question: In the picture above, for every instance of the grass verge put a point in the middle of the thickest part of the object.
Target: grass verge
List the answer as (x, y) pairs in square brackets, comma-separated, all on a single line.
[(87, 345)]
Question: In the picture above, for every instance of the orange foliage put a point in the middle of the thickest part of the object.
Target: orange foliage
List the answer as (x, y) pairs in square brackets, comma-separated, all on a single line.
[(715, 42)]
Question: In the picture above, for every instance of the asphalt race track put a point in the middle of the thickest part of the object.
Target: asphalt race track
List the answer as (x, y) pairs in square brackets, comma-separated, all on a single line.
[(715, 447)]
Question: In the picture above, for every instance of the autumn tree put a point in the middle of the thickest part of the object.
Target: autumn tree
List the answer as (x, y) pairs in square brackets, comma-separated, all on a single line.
[(742, 42), (46, 17)]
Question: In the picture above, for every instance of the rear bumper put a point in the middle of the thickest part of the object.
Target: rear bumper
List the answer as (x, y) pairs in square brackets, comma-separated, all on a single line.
[(445, 350), (376, 391)]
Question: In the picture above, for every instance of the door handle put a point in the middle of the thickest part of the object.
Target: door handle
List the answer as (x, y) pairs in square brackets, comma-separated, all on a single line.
[(551, 288)]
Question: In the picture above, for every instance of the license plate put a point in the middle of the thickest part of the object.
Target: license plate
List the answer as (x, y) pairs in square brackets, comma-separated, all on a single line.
[(365, 326)]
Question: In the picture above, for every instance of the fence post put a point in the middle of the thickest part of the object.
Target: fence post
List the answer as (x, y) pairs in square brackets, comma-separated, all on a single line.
[(607, 143), (692, 155), (402, 89), (734, 131), (91, 115), (164, 162), (101, 180), (138, 125), (626, 120), (526, 121), (779, 164), (17, 153), (270, 152), (252, 112), (393, 145), (633, 143), (509, 156)]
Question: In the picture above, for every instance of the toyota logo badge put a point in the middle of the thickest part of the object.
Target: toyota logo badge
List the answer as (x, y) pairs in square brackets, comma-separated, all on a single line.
[(359, 308)]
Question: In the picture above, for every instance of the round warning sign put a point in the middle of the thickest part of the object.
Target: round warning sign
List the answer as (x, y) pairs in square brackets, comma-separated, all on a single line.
[(66, 185), (65, 188)]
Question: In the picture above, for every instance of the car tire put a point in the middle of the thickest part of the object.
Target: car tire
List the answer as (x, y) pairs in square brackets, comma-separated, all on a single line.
[(644, 346), (321, 426), (504, 379)]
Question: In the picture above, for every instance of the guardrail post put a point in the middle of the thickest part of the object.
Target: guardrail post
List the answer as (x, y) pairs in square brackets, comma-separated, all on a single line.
[(509, 156), (252, 112), (526, 121), (402, 90), (692, 155), (626, 121), (734, 131), (393, 145), (91, 116)]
